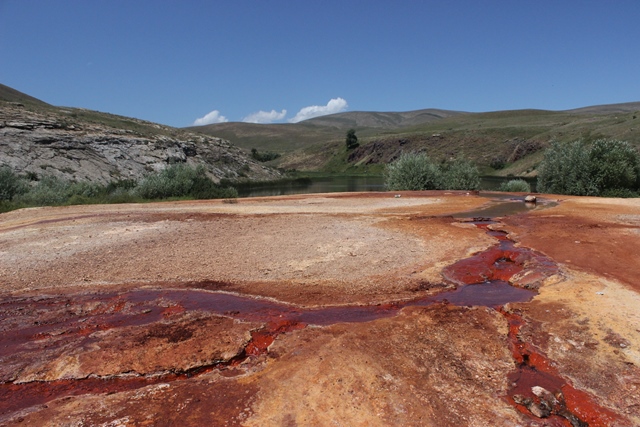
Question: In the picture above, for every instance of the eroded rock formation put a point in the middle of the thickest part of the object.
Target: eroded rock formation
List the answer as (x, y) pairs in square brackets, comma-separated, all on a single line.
[(78, 144)]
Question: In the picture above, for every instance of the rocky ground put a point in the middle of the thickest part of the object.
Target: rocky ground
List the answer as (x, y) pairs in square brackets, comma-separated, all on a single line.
[(347, 309)]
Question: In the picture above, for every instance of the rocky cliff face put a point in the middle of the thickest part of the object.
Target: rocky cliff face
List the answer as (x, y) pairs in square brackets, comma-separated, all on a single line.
[(79, 144)]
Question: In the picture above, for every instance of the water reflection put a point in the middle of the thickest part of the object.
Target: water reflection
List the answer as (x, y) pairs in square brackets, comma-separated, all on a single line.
[(327, 184), (340, 184)]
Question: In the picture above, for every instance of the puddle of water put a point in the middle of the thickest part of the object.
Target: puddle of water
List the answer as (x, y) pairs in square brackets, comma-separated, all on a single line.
[(499, 209), (501, 205), (494, 293)]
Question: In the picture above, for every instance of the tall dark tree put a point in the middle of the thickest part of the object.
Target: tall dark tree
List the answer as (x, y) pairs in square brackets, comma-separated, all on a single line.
[(352, 139)]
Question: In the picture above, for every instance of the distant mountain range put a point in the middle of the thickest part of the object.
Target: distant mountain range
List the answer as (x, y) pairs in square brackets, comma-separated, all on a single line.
[(500, 142)]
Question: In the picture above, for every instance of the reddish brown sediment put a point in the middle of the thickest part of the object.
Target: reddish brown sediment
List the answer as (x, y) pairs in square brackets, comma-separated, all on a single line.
[(49, 221), (74, 318), (596, 235), (263, 338), (196, 314), (16, 397), (149, 307)]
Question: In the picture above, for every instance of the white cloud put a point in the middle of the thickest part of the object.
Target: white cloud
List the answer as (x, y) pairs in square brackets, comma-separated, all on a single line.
[(336, 105), (212, 117), (265, 116)]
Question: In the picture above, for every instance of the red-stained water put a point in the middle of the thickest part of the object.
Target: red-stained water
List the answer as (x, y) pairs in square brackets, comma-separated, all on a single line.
[(499, 262), (494, 294)]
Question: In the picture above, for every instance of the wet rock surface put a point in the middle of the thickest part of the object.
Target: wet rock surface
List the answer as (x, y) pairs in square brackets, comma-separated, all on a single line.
[(468, 326)]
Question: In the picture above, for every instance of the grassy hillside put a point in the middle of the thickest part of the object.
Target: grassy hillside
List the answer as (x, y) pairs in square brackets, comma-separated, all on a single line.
[(511, 139), (80, 117), (289, 137), (8, 94)]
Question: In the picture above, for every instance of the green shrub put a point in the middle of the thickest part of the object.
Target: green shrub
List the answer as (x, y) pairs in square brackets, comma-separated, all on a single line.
[(565, 170), (10, 184), (121, 184), (48, 191), (180, 180), (620, 192), (264, 156), (121, 195), (498, 163), (614, 165), (174, 181), (51, 191), (412, 172), (605, 167), (204, 188), (516, 186), (177, 180), (460, 174)]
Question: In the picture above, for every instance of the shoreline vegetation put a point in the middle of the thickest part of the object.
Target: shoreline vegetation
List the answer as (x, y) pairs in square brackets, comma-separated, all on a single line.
[(176, 182), (606, 168), (49, 191)]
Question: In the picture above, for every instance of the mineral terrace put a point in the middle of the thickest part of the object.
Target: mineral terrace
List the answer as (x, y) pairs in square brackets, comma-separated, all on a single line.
[(428, 309)]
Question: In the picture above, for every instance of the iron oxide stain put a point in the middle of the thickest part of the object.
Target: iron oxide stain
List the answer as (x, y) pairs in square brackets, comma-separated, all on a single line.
[(484, 279)]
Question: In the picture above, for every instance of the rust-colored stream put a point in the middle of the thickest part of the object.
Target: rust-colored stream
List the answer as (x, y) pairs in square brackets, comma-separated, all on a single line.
[(483, 278), (539, 389)]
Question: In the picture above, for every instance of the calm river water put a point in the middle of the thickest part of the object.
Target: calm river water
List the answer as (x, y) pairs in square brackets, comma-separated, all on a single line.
[(340, 184)]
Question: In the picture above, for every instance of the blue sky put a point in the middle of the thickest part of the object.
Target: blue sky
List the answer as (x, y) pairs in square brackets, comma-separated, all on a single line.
[(176, 62)]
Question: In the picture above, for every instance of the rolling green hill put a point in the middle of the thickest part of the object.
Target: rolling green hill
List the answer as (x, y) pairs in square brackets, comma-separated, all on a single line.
[(501, 142), (289, 137)]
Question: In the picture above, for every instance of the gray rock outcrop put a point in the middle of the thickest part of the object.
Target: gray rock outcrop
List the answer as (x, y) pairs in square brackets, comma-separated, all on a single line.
[(79, 145)]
